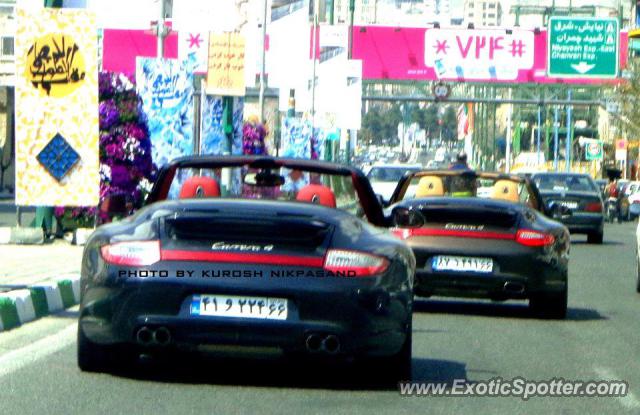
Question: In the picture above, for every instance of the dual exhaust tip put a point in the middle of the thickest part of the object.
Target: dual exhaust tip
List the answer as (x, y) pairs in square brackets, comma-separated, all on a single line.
[(317, 343), (147, 336), (513, 287)]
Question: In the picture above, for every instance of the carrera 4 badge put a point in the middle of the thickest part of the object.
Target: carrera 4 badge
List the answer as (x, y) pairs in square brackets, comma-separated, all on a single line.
[(222, 246), (462, 227)]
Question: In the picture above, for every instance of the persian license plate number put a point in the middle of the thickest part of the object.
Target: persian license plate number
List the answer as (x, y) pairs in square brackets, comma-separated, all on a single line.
[(462, 264), (239, 306)]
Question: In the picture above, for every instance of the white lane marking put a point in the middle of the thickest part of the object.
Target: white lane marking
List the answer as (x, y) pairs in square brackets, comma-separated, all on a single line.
[(630, 401), (19, 358)]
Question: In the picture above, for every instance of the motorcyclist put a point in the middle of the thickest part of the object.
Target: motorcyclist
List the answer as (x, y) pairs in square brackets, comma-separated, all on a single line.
[(463, 185), (460, 163), (611, 192)]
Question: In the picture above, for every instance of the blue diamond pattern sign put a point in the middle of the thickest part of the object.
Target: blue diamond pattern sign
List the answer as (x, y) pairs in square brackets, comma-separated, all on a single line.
[(58, 157)]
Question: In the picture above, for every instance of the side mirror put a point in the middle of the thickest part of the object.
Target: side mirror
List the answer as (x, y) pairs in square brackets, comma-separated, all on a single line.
[(407, 218), (383, 202)]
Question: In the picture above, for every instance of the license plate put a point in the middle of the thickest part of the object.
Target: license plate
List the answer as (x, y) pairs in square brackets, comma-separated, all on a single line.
[(570, 205), (462, 264), (239, 307)]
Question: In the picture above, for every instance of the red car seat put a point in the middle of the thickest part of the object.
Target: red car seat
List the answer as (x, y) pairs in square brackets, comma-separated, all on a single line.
[(199, 186), (317, 193)]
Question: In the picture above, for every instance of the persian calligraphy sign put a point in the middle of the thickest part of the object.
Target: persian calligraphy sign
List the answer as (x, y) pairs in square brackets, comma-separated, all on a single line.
[(225, 71), (478, 54), (583, 47), (55, 64), (57, 162)]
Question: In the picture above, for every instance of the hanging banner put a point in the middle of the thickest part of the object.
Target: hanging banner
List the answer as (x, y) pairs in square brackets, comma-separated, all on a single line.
[(350, 108), (120, 48), (56, 108), (213, 140), (296, 138), (225, 72), (194, 45), (166, 89), (461, 55)]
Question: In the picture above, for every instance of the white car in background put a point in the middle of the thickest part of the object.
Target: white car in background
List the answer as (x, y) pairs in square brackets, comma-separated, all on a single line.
[(385, 177), (638, 258)]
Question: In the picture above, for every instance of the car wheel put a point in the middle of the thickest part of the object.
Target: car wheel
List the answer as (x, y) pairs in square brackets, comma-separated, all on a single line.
[(94, 357), (390, 370), (549, 305), (595, 237), (638, 275)]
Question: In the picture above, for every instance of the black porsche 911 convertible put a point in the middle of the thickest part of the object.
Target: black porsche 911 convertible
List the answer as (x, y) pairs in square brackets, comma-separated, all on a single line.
[(484, 235), (250, 251)]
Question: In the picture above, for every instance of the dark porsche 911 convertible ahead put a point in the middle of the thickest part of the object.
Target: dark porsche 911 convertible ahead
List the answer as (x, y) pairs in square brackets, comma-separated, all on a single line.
[(250, 251), (483, 235)]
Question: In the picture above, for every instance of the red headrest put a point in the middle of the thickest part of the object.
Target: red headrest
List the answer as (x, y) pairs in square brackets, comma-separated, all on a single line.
[(317, 193), (199, 186)]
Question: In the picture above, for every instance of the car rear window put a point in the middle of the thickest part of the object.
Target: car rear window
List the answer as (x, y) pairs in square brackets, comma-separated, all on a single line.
[(563, 183), (388, 174)]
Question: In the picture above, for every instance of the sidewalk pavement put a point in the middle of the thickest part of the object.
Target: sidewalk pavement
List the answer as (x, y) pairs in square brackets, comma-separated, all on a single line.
[(37, 280)]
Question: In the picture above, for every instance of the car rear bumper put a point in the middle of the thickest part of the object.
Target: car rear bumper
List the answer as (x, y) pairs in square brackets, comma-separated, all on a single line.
[(518, 271), (580, 222), (496, 286), (367, 317)]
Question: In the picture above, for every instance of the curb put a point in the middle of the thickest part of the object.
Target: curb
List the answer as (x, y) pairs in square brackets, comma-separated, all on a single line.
[(21, 235), (22, 306)]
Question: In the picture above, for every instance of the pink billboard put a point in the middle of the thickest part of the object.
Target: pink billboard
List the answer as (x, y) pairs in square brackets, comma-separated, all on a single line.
[(121, 47), (456, 54)]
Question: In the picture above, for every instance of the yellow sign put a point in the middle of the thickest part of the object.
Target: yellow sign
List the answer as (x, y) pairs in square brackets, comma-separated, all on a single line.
[(225, 70), (56, 108), (55, 65)]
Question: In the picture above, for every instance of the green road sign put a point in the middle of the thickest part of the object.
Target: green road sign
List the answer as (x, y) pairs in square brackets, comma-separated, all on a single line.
[(593, 150), (583, 47)]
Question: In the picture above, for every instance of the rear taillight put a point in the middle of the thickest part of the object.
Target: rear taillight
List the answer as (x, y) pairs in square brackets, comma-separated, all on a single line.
[(593, 207), (534, 238), (354, 263), (133, 253)]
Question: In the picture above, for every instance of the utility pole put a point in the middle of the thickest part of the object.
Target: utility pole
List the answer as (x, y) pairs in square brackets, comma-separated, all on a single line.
[(161, 29), (352, 8), (568, 141), (538, 134), (508, 144), (314, 52), (556, 125), (263, 68)]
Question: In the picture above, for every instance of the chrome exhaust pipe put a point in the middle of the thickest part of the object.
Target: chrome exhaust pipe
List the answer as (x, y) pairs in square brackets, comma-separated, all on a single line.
[(162, 336), (313, 343), (513, 287), (331, 344), (144, 335)]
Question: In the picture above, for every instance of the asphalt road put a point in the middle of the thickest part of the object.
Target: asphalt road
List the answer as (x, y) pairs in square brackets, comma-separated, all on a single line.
[(453, 339)]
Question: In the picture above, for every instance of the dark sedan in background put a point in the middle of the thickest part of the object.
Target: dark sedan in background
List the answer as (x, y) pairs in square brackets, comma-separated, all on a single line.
[(252, 252), (580, 195)]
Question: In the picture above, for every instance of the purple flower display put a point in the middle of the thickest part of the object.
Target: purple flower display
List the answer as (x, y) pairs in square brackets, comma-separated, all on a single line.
[(253, 135), (125, 148)]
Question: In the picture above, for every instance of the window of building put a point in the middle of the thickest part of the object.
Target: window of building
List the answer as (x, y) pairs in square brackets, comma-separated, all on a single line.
[(7, 46), (492, 6), (491, 15), (7, 10)]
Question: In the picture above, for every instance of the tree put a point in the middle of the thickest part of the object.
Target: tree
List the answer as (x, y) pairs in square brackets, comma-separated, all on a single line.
[(629, 96), (450, 123)]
